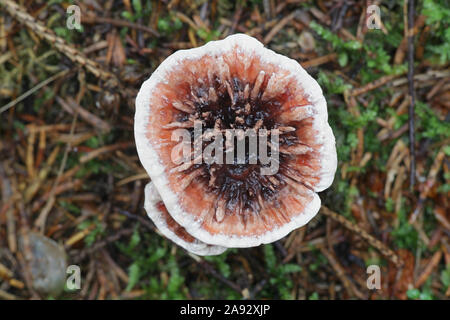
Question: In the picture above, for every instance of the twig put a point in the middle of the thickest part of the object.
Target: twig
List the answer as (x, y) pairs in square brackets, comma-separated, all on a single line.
[(142, 220), (280, 248), (139, 176), (90, 19), (423, 77), (102, 243), (434, 261), (372, 85), (391, 255), (94, 154), (280, 25), (411, 92), (349, 286), (319, 60), (208, 268), (428, 185), (32, 90), (259, 286), (71, 106)]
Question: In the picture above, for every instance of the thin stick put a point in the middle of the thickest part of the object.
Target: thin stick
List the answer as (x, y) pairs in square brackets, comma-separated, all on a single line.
[(340, 272), (210, 269), (434, 261), (117, 22), (319, 61), (372, 85), (32, 90), (391, 255), (411, 92)]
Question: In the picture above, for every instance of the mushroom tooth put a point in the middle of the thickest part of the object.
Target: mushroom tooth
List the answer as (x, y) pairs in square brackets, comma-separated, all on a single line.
[(239, 120), (276, 85), (240, 213), (302, 177), (187, 180), (297, 113), (286, 129), (298, 187), (307, 171), (234, 202), (276, 216), (196, 97), (189, 103), (296, 149), (263, 217), (281, 130), (224, 70), (248, 108), (184, 166), (230, 93), (183, 107), (258, 124), (220, 209), (212, 96), (206, 115), (176, 124), (274, 180), (258, 82), (212, 177), (210, 75), (246, 92), (268, 183), (282, 211)]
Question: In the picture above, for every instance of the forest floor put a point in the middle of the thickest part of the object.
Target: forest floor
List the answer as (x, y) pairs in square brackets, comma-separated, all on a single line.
[(69, 167)]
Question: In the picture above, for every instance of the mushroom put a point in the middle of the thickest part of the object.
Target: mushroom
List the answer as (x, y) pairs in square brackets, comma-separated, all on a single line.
[(157, 211), (235, 84)]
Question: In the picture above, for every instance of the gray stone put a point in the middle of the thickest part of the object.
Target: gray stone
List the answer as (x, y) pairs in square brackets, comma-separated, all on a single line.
[(48, 264)]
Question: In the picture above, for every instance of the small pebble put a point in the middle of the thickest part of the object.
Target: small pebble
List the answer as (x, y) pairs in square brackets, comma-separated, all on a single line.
[(48, 264)]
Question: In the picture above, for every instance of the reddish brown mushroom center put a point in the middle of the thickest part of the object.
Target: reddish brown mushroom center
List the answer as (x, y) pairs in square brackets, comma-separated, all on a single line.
[(222, 104)]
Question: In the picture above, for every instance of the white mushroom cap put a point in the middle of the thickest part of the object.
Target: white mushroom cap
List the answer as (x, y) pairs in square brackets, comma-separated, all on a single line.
[(153, 110), (170, 229)]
